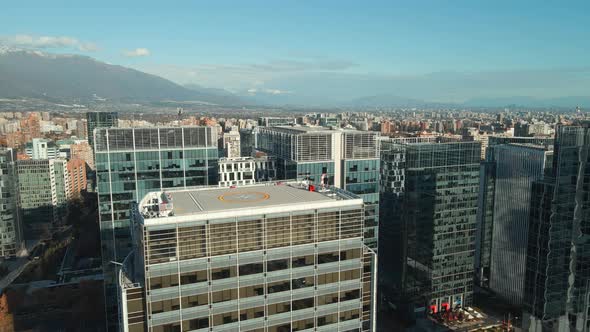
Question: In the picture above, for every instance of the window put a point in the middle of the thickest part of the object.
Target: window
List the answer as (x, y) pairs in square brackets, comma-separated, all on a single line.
[(278, 308), (303, 282), (251, 291), (350, 295), (223, 272), (224, 295), (193, 277), (303, 304), (164, 281), (279, 264), (251, 313), (251, 269), (328, 258), (198, 323), (279, 286), (194, 300), (303, 261), (225, 318), (350, 254)]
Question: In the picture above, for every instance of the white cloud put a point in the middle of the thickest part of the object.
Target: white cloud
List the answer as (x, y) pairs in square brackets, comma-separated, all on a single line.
[(253, 91), (137, 52), (44, 42)]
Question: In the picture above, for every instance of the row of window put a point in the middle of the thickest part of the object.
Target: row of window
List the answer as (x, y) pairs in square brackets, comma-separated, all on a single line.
[(254, 268), (242, 236), (228, 318), (271, 309)]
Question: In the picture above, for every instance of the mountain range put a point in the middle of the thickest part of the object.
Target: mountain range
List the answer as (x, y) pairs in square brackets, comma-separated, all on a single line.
[(34, 74), (59, 77)]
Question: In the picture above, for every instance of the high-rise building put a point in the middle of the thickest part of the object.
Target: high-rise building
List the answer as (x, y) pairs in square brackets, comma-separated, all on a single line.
[(82, 128), (437, 226), (485, 216), (557, 281), (83, 151), (43, 194), (516, 166), (130, 162), (266, 169), (11, 232), (231, 144), (247, 142), (30, 127), (100, 120), (254, 258), (347, 159), (77, 173), (391, 194)]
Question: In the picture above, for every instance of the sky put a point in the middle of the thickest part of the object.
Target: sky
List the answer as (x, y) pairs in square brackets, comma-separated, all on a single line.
[(326, 51)]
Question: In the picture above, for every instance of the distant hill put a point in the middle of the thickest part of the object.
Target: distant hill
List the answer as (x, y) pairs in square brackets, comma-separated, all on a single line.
[(395, 101), (566, 102), (34, 74), (386, 100)]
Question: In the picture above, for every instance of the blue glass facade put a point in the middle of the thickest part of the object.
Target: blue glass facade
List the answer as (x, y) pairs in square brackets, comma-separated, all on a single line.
[(132, 162), (349, 159), (362, 178)]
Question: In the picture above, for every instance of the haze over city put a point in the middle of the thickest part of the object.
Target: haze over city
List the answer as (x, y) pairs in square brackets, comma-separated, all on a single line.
[(311, 166), (329, 53)]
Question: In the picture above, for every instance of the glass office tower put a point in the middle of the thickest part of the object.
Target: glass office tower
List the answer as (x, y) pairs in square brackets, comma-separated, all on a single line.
[(485, 214), (437, 226), (557, 281), (11, 232), (130, 162), (347, 159), (392, 189), (43, 194), (100, 120), (516, 167), (274, 258)]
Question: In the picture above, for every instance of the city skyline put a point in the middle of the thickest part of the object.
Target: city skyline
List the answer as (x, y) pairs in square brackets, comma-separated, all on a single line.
[(381, 166), (328, 54)]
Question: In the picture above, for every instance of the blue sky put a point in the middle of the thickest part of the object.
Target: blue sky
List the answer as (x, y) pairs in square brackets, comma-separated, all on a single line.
[(434, 50)]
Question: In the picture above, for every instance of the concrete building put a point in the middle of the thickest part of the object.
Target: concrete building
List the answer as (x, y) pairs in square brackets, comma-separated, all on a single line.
[(41, 148), (100, 120), (82, 128), (347, 159), (130, 162), (11, 232), (269, 121), (77, 173), (83, 151), (329, 122), (231, 144), (236, 171), (557, 277), (255, 258)]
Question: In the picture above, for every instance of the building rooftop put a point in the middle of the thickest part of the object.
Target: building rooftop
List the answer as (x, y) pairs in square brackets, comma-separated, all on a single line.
[(319, 129), (250, 198), (546, 147)]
